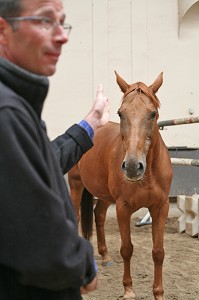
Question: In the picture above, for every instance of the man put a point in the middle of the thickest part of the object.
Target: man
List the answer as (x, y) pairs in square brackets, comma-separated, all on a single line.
[(41, 254)]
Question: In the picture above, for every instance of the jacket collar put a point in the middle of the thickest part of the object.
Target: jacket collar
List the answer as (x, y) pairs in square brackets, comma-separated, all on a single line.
[(32, 87)]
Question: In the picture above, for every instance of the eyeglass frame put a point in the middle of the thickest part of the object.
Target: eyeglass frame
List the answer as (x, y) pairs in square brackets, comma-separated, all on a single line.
[(52, 23)]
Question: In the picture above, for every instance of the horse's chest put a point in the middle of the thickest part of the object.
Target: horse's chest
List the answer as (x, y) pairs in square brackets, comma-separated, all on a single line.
[(135, 194)]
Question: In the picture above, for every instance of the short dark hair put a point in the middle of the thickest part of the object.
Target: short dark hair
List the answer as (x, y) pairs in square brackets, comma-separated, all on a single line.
[(10, 8)]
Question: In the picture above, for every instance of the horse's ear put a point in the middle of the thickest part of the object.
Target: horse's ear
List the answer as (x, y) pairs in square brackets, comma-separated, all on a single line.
[(157, 83), (122, 83)]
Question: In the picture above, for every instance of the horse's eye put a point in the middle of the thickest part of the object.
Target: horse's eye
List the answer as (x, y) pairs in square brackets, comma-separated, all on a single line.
[(153, 114)]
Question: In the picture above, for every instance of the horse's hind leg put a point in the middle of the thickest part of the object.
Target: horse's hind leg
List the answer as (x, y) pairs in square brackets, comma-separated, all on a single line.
[(159, 217), (76, 188), (100, 216)]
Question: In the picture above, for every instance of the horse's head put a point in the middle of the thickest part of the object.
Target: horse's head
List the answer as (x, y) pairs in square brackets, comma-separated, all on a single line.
[(138, 124)]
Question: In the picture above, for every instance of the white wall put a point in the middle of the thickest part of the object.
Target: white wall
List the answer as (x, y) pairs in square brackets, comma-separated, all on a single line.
[(138, 39)]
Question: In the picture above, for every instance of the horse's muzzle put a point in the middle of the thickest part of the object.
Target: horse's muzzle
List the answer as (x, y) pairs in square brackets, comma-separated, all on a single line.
[(133, 170)]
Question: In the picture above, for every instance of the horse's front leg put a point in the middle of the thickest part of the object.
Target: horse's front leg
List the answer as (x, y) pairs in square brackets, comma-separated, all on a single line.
[(159, 217), (100, 216), (126, 250)]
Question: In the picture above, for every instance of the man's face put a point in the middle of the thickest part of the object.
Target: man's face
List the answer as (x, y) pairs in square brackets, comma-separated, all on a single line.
[(32, 47)]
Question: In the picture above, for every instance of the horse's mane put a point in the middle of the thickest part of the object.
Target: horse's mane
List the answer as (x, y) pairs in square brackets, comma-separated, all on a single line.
[(141, 87)]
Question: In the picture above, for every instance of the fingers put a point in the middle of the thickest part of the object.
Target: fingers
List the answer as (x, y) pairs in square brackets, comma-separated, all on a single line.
[(100, 89), (99, 114), (90, 287), (106, 105), (100, 95)]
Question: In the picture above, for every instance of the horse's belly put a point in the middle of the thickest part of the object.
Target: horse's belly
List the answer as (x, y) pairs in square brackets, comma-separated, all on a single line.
[(94, 177)]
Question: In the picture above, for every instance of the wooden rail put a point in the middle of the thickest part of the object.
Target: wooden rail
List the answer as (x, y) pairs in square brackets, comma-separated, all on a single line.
[(185, 162), (181, 121)]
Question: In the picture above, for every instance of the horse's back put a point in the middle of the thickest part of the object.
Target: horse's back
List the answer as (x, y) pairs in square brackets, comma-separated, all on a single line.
[(107, 133), (95, 163), (105, 141)]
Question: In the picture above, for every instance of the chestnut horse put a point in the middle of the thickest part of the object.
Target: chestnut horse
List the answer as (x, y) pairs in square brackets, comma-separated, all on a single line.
[(129, 165)]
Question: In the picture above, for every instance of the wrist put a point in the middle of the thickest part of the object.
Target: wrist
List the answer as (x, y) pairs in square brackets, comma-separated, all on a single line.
[(93, 121)]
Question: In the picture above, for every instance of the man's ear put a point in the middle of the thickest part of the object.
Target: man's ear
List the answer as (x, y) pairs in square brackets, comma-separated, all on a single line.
[(4, 26)]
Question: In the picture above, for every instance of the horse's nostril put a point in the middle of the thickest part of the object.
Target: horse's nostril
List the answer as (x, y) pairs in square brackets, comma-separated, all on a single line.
[(140, 166), (123, 166)]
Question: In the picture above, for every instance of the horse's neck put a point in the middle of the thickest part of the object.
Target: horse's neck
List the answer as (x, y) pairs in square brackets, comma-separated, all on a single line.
[(155, 148)]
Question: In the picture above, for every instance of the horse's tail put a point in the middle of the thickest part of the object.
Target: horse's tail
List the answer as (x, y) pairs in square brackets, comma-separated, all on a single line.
[(87, 214)]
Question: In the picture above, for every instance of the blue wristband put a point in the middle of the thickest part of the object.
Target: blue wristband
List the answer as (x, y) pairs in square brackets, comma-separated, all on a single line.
[(95, 265), (88, 128)]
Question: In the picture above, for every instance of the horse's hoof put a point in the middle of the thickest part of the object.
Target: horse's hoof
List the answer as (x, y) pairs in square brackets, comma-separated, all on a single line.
[(107, 263), (107, 260), (129, 295)]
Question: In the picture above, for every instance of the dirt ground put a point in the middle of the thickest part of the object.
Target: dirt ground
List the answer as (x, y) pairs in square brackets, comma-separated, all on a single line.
[(181, 264)]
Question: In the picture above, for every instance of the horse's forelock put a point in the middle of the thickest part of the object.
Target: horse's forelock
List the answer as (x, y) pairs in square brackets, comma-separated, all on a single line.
[(141, 87)]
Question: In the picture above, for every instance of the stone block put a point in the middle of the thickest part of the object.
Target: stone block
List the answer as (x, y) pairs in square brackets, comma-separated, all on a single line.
[(191, 215), (181, 222)]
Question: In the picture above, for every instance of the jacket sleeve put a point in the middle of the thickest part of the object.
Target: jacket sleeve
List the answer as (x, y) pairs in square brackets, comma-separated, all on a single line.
[(39, 238), (70, 146)]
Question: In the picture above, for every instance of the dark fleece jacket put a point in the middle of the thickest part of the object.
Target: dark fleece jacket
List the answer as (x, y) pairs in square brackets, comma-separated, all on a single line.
[(41, 254)]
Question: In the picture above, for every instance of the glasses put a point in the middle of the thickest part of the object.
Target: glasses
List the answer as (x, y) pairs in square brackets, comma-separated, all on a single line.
[(44, 23)]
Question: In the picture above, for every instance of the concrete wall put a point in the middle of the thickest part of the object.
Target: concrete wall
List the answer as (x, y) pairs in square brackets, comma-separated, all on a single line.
[(138, 39)]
